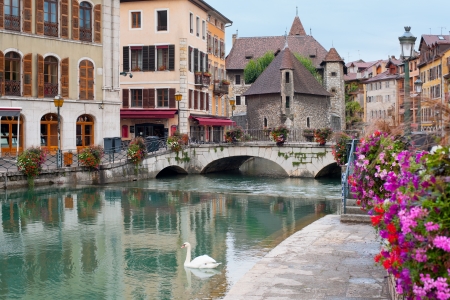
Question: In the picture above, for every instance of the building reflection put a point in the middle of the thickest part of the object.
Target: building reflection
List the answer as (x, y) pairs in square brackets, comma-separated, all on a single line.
[(126, 242)]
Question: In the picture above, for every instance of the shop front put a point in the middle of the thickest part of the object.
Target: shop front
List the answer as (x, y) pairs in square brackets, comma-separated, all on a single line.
[(208, 128)]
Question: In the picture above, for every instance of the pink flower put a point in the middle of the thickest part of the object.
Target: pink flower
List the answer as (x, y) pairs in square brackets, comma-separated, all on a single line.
[(442, 242)]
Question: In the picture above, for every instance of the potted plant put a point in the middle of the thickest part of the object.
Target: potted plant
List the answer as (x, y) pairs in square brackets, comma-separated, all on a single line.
[(177, 141), (279, 135), (340, 149), (30, 163), (136, 69), (206, 74), (162, 68), (308, 133), (136, 150), (225, 82), (209, 49), (198, 73), (322, 135), (91, 156), (223, 54), (234, 135)]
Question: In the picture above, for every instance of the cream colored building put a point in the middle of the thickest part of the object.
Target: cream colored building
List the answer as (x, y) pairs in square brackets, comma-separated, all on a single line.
[(58, 47), (163, 53)]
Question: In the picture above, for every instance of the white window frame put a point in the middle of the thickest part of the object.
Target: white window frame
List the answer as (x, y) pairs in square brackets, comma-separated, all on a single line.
[(197, 26), (204, 30), (156, 20), (130, 23), (191, 22)]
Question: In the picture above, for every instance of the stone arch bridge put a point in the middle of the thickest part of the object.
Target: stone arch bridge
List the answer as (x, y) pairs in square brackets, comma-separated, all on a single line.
[(297, 160)]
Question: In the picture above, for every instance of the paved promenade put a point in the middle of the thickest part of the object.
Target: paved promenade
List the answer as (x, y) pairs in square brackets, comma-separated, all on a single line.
[(325, 260)]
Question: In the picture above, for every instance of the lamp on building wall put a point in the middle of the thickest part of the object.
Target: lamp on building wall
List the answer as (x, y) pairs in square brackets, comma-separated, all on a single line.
[(233, 106), (418, 86), (178, 97), (407, 41), (58, 101), (126, 73)]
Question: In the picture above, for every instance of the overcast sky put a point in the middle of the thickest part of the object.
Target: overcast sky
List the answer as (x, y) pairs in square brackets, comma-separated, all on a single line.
[(356, 28)]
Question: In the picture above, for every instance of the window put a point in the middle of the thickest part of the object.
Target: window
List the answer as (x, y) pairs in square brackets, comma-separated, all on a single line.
[(287, 77), (136, 19), (136, 59), (333, 90), (334, 74), (308, 123), (85, 131), (288, 100), (9, 135), (203, 29), (49, 132), (162, 58), (162, 20), (86, 80), (191, 23), (12, 74), (50, 17), (237, 79), (163, 97), (387, 83), (50, 77), (11, 15), (238, 100), (85, 21), (197, 23), (136, 98), (265, 122)]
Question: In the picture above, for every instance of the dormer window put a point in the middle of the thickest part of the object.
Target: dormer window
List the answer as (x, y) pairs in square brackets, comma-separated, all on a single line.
[(287, 77)]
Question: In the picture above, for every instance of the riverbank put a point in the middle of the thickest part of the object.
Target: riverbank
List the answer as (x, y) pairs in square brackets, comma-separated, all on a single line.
[(325, 260)]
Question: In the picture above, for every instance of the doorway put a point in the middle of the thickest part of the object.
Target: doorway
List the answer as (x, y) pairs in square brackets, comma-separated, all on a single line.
[(149, 129)]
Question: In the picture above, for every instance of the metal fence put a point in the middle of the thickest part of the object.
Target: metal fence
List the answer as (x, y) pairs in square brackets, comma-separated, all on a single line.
[(351, 156)]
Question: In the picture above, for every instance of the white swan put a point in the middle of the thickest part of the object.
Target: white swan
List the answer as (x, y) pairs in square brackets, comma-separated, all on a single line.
[(201, 262)]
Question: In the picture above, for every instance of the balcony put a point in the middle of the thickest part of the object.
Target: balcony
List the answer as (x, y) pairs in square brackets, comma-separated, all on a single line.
[(50, 89), (12, 88), (12, 22), (51, 29), (220, 88), (85, 34), (202, 81)]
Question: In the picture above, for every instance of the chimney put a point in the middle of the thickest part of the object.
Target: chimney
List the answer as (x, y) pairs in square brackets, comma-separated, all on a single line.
[(393, 56), (234, 37)]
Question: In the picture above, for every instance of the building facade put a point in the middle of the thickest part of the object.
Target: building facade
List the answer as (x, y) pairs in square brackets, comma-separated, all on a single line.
[(164, 48), (67, 48)]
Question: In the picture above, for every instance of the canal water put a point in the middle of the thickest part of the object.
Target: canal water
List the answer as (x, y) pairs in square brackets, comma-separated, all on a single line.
[(123, 241)]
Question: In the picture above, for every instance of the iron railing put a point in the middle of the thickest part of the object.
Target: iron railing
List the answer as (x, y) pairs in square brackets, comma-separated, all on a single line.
[(351, 155), (50, 89), (51, 29), (12, 22), (85, 34), (12, 88)]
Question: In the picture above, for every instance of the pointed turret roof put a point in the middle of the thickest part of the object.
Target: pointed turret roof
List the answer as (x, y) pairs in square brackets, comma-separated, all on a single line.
[(269, 82), (332, 56), (297, 27)]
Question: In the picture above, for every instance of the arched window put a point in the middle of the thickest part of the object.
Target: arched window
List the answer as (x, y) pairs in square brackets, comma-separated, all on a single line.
[(50, 17), (85, 19), (50, 76), (85, 131), (12, 74), (9, 135), (12, 15), (49, 132), (86, 80)]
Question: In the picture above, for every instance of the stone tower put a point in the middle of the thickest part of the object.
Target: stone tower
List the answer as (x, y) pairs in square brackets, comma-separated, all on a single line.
[(333, 81)]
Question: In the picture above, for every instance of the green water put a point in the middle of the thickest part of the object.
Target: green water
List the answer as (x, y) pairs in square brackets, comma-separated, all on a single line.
[(123, 241)]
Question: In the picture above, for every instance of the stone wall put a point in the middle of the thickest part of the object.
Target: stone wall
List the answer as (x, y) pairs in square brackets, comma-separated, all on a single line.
[(336, 83), (238, 90)]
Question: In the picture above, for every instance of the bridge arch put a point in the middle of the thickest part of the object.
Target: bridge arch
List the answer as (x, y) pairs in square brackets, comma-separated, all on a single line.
[(171, 170)]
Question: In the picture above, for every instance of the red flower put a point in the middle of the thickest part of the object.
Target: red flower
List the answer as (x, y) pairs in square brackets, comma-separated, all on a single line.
[(387, 264), (375, 219), (377, 257), (379, 209), (391, 228)]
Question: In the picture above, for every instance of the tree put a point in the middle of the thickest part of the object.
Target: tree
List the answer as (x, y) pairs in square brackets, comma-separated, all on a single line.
[(255, 67), (309, 65)]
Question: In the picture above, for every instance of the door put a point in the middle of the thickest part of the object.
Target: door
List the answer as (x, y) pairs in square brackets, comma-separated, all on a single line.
[(49, 133)]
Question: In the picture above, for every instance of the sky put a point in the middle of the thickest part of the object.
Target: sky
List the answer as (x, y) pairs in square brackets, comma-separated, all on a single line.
[(358, 29)]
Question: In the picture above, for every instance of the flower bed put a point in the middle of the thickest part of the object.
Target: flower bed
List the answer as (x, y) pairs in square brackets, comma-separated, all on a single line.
[(407, 195)]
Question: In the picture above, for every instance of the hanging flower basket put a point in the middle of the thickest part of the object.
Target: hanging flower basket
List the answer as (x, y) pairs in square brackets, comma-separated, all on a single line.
[(322, 135), (279, 135)]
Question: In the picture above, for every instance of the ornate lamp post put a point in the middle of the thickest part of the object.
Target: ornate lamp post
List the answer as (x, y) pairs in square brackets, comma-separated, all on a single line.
[(58, 101), (418, 86), (233, 106), (178, 97), (407, 41)]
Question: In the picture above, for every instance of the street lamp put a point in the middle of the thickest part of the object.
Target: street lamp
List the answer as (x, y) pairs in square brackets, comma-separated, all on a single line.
[(233, 106), (407, 41), (58, 101), (126, 73), (178, 97), (418, 86)]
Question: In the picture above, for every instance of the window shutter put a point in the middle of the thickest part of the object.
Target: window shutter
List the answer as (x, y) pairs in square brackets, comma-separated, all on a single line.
[(27, 15), (151, 58), (145, 59), (151, 97), (126, 59), (2, 77), (146, 98), (202, 55), (40, 17), (206, 62), (125, 95), (65, 77), (75, 23), (90, 82), (98, 23), (195, 100), (207, 101), (202, 99), (190, 99), (64, 19), (172, 101), (171, 57), (196, 60), (1, 16), (189, 58), (40, 76), (27, 75)]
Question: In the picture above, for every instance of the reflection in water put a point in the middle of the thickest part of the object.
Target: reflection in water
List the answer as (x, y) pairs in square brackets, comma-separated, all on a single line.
[(124, 243)]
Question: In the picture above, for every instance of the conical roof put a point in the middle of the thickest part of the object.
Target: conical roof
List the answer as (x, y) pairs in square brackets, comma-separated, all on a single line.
[(332, 55), (297, 27)]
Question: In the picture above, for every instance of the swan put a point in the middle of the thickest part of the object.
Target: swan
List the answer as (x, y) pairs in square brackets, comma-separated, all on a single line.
[(201, 262)]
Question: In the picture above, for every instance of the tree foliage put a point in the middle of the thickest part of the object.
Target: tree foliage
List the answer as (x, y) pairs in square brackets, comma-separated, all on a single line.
[(255, 67), (309, 65)]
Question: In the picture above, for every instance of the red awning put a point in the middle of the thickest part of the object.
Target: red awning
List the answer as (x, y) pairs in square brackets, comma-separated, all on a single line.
[(147, 114), (10, 111), (214, 121)]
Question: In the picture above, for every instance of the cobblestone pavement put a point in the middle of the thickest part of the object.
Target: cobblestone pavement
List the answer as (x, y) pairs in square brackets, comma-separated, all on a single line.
[(325, 260)]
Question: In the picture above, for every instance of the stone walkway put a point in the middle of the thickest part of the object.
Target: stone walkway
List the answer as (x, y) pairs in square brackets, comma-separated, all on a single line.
[(325, 260)]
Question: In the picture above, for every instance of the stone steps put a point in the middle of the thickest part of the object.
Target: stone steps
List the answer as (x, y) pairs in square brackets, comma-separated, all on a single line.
[(353, 213)]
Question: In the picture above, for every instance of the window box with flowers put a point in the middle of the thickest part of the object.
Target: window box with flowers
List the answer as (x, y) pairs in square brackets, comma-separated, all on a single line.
[(30, 163), (177, 141), (206, 74), (136, 150), (279, 135), (136, 69), (234, 134), (162, 68), (91, 156), (308, 133), (225, 82), (322, 135)]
